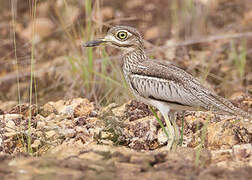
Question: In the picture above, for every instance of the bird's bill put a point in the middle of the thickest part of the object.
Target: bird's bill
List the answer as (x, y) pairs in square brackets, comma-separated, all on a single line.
[(97, 42), (94, 43)]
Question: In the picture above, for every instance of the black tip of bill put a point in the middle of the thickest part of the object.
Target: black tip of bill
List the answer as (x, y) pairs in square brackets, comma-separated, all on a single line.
[(93, 43)]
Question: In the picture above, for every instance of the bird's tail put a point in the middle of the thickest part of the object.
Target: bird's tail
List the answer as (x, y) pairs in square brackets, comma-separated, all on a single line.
[(222, 104)]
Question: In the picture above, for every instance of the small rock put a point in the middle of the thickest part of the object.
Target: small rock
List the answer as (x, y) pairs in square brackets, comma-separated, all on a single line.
[(48, 109), (7, 117), (119, 111), (10, 125), (68, 133), (106, 135), (43, 27), (83, 107), (136, 110), (242, 151), (41, 125), (221, 133), (11, 129), (68, 110), (36, 144), (80, 129), (50, 134), (74, 107), (162, 138)]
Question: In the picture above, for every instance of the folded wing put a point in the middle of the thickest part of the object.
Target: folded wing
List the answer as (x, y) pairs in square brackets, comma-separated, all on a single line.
[(166, 82)]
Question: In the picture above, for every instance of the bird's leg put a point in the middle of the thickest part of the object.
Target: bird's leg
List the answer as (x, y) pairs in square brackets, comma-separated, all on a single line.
[(172, 117), (170, 131)]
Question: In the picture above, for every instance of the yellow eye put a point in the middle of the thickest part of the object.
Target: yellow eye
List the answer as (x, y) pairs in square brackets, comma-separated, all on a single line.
[(122, 35)]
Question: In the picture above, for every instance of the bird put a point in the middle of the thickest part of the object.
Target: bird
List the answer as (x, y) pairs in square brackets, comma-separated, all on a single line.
[(160, 83)]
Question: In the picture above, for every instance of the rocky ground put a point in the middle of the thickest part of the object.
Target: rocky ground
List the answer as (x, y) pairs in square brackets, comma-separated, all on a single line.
[(73, 139)]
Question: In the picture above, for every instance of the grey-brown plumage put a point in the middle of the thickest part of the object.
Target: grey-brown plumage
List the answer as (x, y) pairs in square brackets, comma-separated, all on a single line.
[(168, 83), (162, 84)]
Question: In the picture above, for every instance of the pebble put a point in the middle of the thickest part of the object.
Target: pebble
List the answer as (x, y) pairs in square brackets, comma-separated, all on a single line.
[(162, 138), (79, 129), (41, 124), (68, 133), (44, 27), (8, 117), (242, 151), (106, 135), (10, 125), (50, 134), (36, 144)]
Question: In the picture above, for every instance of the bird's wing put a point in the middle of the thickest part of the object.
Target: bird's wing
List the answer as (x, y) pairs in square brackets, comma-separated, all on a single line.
[(166, 82)]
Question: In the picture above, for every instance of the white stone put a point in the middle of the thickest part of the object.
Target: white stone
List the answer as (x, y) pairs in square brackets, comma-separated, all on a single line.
[(162, 138)]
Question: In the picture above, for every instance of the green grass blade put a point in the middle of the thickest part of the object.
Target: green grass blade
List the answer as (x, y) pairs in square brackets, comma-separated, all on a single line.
[(159, 121)]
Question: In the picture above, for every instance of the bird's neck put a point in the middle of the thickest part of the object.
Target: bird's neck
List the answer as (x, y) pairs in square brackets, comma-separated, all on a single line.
[(135, 56)]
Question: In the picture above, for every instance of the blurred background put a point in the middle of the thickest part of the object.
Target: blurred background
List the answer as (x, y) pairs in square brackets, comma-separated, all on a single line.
[(41, 58)]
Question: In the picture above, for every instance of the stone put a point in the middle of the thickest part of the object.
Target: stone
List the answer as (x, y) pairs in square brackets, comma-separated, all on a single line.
[(36, 144), (242, 151), (48, 109), (83, 107), (7, 117), (221, 133), (11, 129), (50, 134), (73, 108), (80, 129), (119, 111), (68, 132), (161, 136), (41, 125), (43, 27), (106, 135), (141, 133)]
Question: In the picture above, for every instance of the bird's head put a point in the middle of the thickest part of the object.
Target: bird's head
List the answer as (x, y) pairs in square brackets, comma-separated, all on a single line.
[(123, 37)]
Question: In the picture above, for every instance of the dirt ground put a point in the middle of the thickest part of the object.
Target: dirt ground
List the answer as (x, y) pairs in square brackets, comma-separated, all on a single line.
[(83, 126), (74, 140)]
